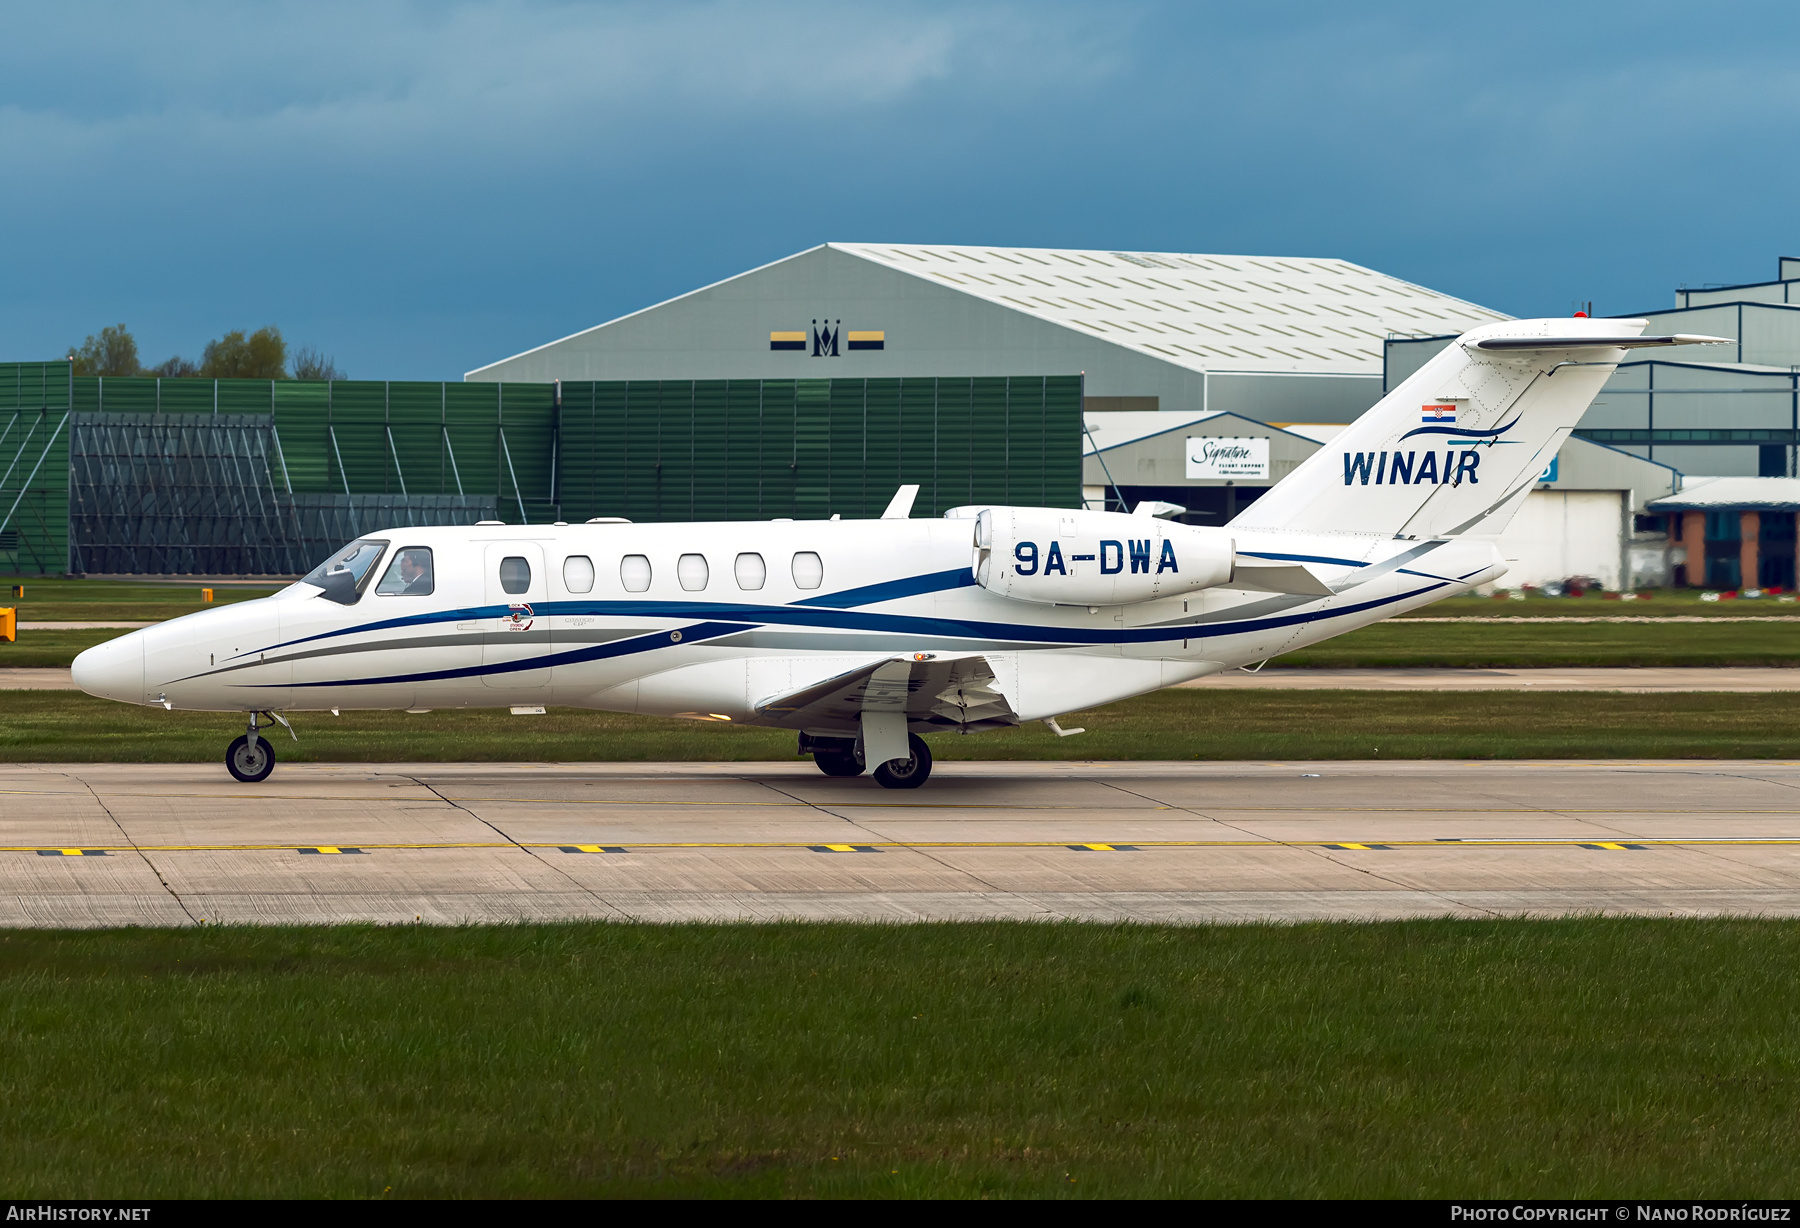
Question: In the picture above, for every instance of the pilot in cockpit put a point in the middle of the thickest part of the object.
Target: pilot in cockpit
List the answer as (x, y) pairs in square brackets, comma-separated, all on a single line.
[(409, 575)]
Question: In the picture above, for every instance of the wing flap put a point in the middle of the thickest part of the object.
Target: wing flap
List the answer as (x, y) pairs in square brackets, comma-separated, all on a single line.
[(957, 691)]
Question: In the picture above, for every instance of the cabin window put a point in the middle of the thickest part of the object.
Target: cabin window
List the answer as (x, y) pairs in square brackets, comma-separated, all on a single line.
[(750, 572), (634, 573), (809, 571), (409, 575), (690, 570), (578, 573), (515, 574)]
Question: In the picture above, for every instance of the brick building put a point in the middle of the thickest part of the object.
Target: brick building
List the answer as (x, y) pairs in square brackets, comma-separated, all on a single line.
[(1733, 533)]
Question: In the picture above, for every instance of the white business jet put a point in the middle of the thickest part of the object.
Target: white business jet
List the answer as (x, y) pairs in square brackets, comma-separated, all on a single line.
[(863, 636)]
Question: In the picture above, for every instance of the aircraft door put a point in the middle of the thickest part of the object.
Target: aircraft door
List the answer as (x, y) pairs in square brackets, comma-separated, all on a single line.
[(513, 578)]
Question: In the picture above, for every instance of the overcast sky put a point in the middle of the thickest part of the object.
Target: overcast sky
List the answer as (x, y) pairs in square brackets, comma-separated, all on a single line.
[(419, 189)]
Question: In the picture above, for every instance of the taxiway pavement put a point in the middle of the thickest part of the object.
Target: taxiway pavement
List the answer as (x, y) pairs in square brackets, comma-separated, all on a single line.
[(167, 844)]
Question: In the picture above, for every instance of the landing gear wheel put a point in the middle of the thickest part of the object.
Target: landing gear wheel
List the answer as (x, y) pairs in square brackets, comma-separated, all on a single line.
[(907, 773), (250, 758), (838, 763)]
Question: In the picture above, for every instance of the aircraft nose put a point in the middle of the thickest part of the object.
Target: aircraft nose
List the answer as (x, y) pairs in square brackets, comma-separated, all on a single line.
[(113, 670)]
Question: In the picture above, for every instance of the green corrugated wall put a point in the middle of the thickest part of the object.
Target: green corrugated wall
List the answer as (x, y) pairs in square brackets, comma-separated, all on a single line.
[(374, 437), (34, 467), (751, 449), (648, 451)]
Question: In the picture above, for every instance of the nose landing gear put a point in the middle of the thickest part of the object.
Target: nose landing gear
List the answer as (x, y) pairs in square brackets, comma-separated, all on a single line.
[(250, 758)]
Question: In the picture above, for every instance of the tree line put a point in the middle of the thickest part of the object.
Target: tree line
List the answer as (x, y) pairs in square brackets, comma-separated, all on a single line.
[(261, 355)]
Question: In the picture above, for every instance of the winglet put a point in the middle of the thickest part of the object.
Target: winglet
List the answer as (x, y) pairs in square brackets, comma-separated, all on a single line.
[(900, 506)]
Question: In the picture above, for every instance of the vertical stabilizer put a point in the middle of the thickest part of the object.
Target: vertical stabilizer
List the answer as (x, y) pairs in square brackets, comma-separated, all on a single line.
[(1456, 448)]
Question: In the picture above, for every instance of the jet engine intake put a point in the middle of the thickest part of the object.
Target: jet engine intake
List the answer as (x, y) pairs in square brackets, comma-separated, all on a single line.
[(1062, 557)]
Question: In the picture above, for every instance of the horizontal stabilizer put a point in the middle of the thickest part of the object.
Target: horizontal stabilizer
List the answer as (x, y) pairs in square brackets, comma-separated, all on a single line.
[(1262, 577), (1597, 343)]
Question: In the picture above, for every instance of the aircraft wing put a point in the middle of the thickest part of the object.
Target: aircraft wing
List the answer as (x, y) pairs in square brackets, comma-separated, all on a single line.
[(957, 692)]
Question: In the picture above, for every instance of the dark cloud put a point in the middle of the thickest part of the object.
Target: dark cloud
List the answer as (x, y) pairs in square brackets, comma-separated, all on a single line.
[(422, 189)]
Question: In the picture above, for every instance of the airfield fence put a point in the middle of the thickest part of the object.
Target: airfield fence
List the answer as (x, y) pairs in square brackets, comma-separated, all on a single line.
[(266, 477)]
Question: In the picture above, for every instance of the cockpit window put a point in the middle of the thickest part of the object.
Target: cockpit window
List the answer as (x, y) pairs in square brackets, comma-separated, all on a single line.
[(342, 575), (409, 575)]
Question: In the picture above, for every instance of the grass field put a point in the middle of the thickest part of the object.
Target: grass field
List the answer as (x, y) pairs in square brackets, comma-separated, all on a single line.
[(1526, 643), (1516, 643), (43, 649), (1574, 1058), (1541, 637), (54, 600), (1651, 603), (65, 727)]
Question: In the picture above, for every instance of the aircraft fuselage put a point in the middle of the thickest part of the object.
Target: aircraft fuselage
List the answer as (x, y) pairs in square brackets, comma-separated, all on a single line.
[(713, 620)]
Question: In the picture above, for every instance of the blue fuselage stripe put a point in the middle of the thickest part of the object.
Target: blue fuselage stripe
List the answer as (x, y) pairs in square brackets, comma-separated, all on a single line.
[(834, 620), (869, 594), (597, 652), (891, 590), (1302, 558)]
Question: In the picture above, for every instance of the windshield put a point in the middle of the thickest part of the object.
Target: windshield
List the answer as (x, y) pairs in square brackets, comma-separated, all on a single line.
[(341, 576)]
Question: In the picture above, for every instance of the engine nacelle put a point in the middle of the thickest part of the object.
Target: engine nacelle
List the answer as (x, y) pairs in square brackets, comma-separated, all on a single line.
[(1059, 557)]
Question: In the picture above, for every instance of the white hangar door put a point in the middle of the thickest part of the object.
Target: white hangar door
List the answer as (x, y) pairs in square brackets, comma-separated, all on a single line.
[(1562, 533), (514, 579)]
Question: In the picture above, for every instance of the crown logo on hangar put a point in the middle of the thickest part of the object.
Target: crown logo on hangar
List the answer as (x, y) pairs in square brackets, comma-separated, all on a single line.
[(825, 338)]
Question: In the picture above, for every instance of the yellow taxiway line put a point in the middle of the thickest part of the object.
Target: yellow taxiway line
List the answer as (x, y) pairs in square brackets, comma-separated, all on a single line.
[(1367, 843)]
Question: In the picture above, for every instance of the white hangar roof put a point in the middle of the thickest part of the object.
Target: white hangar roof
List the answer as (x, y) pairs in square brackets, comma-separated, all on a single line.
[(1207, 313)]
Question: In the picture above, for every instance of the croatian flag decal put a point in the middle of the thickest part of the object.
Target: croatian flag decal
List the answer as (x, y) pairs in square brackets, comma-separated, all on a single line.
[(1438, 415)]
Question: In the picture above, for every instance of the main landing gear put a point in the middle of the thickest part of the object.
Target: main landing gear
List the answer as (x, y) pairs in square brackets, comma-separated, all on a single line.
[(250, 758), (843, 757)]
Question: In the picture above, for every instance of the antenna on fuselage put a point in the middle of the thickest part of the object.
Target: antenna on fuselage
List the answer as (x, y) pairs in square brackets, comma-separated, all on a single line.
[(901, 505)]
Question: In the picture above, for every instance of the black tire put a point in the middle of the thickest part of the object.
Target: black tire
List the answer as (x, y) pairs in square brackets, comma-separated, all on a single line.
[(838, 762), (250, 760), (907, 773)]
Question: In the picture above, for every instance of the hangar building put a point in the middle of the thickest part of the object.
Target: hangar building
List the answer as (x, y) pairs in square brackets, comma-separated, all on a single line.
[(1273, 339)]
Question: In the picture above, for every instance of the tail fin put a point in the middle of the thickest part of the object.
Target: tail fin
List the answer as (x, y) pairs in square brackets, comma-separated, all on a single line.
[(1456, 448)]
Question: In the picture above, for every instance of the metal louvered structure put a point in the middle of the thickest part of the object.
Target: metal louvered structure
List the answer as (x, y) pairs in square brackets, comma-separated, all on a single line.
[(208, 494), (266, 477), (34, 466)]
